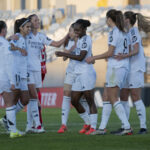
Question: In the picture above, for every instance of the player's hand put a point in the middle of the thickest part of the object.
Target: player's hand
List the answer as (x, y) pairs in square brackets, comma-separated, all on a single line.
[(90, 60), (14, 37), (12, 87), (23, 52), (13, 46), (119, 56), (58, 54)]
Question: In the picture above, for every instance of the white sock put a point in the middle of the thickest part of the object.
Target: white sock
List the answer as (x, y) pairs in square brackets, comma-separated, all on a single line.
[(35, 112), (85, 105), (106, 111), (65, 109), (19, 106), (11, 118), (29, 116), (121, 114), (85, 117), (93, 120), (126, 107), (140, 108)]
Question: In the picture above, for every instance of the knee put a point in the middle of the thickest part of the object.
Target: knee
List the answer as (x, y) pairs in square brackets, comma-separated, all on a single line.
[(67, 93)]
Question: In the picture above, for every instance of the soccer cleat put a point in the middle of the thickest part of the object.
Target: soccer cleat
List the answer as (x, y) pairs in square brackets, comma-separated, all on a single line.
[(117, 131), (99, 132), (85, 128), (3, 123), (39, 129), (62, 129), (30, 130), (90, 131), (125, 132), (16, 134), (142, 131)]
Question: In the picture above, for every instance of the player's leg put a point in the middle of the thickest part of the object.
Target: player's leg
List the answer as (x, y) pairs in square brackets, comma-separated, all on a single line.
[(89, 95), (124, 94), (75, 98), (115, 81), (33, 113), (65, 107), (9, 100), (140, 108), (136, 82), (106, 112)]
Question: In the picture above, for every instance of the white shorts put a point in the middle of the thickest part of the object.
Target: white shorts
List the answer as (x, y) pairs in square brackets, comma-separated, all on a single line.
[(34, 77), (5, 86), (69, 78), (17, 81), (84, 82), (135, 80), (116, 77), (23, 84)]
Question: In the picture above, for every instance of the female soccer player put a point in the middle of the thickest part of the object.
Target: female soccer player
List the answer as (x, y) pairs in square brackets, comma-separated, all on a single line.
[(7, 81), (35, 41), (137, 65), (22, 28), (70, 47), (85, 76), (116, 71)]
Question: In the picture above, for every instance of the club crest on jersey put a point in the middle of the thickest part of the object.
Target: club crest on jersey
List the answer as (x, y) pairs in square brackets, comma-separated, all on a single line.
[(110, 39), (30, 37), (134, 39), (84, 45)]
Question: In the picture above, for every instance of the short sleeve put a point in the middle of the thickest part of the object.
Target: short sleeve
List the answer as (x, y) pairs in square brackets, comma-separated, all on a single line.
[(46, 40), (113, 38), (135, 37), (85, 44)]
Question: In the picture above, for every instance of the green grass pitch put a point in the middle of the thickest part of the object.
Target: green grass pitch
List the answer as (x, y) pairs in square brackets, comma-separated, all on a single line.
[(71, 140)]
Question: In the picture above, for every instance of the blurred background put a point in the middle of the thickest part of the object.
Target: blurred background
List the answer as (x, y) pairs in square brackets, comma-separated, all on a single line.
[(56, 17)]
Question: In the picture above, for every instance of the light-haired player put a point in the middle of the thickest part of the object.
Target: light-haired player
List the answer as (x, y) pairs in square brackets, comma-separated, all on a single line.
[(35, 41), (116, 70), (135, 78)]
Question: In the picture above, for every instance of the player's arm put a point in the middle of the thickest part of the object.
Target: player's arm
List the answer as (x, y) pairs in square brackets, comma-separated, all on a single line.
[(15, 48), (59, 43), (105, 55), (133, 52), (74, 57)]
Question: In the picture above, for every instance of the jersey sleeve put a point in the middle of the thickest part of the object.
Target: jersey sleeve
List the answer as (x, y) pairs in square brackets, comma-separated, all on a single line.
[(9, 64), (69, 45), (46, 40), (85, 44), (113, 38), (135, 37)]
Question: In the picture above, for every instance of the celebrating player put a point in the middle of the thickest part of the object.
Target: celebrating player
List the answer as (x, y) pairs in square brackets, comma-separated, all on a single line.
[(116, 71), (85, 76)]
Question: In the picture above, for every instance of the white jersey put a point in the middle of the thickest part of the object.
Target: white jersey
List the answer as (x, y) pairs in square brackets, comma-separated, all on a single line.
[(6, 61), (20, 64), (84, 44), (120, 41), (35, 43), (137, 62), (72, 62)]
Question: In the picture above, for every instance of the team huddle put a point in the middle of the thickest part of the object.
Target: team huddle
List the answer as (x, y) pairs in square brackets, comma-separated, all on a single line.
[(21, 79)]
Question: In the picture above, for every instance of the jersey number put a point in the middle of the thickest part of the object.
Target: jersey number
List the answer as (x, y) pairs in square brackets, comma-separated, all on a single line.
[(125, 46)]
